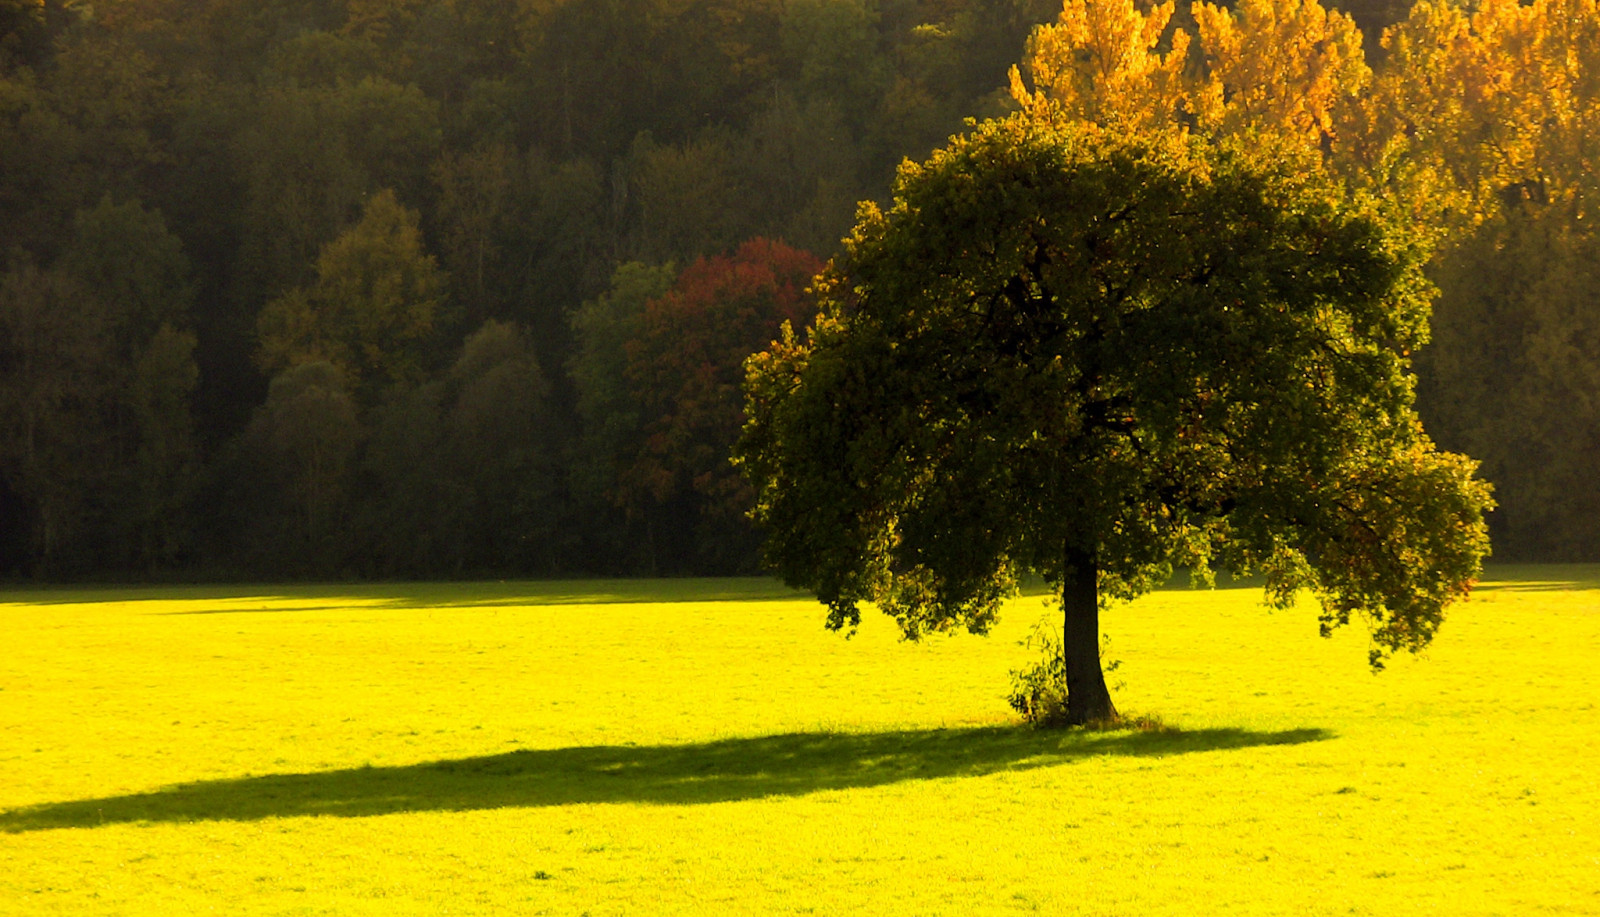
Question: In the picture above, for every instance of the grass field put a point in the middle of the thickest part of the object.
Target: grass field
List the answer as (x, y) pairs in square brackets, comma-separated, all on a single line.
[(705, 746)]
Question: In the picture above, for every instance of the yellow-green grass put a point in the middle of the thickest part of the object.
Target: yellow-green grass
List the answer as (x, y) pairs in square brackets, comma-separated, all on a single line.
[(705, 747)]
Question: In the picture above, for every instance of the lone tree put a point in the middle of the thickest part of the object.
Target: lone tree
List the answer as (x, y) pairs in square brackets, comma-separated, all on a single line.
[(1095, 358)]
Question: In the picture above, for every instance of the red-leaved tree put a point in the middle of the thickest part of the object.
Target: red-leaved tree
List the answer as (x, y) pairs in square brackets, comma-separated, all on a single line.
[(685, 368)]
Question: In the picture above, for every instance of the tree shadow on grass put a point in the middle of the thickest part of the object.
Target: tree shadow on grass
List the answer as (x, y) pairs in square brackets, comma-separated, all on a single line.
[(707, 772)]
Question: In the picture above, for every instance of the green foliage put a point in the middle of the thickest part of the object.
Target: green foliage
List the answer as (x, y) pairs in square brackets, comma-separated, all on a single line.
[(1514, 376), (124, 254), (300, 449), (39, 185), (608, 410), (537, 146), (799, 165), (1058, 343), (541, 145), (687, 198), (373, 309), (310, 156), (100, 375), (166, 455), (475, 197), (464, 472), (833, 52), (55, 383), (24, 33)]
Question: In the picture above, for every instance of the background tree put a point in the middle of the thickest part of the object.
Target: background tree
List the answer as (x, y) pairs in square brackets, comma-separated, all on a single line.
[(802, 172), (684, 369), (96, 366), (465, 471), (164, 466), (1286, 69), (687, 196), (1487, 120), (1103, 62), (373, 309), (556, 245), (55, 384), (1094, 359), (610, 422), (1515, 375), (542, 144), (124, 257), (297, 458), (475, 194)]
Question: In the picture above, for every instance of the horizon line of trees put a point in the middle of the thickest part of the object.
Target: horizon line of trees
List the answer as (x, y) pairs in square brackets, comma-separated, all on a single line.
[(454, 288)]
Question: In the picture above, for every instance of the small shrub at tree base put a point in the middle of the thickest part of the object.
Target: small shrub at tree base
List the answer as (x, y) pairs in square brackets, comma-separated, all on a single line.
[(1039, 692)]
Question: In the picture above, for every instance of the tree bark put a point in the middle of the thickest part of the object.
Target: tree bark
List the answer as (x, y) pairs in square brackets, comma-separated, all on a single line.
[(1088, 699)]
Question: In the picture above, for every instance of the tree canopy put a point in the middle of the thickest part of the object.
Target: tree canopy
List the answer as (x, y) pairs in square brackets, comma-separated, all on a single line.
[(1095, 356)]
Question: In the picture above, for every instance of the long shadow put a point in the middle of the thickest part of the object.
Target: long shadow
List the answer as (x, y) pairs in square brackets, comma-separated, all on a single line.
[(707, 772)]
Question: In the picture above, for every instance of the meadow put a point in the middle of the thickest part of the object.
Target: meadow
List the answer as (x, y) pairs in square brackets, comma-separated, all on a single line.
[(706, 746)]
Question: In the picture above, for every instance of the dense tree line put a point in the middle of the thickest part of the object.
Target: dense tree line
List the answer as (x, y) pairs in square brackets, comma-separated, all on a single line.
[(394, 287), (302, 287)]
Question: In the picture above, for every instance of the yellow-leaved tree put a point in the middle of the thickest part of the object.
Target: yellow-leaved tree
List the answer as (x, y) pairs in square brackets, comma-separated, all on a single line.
[(1290, 68), (1490, 107), (1102, 62), (1285, 70), (1488, 120)]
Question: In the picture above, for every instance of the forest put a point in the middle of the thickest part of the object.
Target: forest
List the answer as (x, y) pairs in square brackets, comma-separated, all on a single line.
[(463, 288)]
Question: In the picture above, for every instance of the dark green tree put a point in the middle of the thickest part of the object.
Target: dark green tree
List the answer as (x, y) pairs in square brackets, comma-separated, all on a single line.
[(299, 453), (123, 256), (466, 469), (608, 409), (56, 373), (1096, 358)]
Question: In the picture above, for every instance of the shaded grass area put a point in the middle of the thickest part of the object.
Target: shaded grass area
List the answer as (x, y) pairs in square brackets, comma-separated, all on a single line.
[(258, 599), (299, 597), (708, 772)]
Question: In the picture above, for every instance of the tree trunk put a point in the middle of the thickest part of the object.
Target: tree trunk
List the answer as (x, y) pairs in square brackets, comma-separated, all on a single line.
[(1088, 699)]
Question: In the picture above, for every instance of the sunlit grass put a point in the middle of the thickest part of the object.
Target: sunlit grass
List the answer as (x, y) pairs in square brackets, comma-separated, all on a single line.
[(645, 747)]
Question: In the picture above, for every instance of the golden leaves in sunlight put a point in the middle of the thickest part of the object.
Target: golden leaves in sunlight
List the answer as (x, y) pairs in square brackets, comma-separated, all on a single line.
[(1467, 110)]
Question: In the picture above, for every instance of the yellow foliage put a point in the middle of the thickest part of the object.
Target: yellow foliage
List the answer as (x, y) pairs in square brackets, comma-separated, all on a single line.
[(1499, 105), (1278, 66), (1284, 67), (1470, 109), (1100, 62)]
